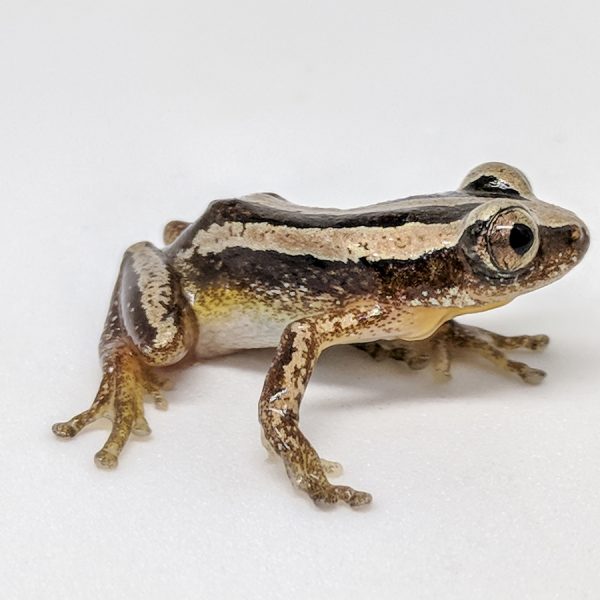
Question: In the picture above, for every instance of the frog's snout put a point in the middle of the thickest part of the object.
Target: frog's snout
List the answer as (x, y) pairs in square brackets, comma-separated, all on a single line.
[(579, 237)]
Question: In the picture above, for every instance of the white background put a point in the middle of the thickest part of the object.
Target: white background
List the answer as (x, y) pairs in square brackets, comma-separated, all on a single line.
[(116, 117)]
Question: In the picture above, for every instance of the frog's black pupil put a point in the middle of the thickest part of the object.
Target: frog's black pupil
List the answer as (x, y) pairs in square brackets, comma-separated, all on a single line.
[(521, 238)]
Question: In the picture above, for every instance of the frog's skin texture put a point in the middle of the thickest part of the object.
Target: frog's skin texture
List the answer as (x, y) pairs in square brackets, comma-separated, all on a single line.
[(259, 272)]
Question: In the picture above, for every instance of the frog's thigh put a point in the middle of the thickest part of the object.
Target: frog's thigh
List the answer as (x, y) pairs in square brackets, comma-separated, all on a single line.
[(156, 317), (299, 348)]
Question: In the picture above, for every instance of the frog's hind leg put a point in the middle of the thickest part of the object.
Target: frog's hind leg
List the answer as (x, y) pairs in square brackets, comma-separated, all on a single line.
[(439, 349), (490, 345), (149, 325)]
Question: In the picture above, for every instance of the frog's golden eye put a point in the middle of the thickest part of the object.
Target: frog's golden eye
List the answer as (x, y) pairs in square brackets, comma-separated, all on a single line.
[(512, 239)]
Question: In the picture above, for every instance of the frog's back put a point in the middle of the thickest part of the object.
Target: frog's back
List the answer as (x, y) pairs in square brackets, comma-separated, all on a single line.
[(272, 209), (262, 241)]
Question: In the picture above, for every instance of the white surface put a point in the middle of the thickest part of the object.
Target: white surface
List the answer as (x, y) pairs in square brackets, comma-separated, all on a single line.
[(116, 117)]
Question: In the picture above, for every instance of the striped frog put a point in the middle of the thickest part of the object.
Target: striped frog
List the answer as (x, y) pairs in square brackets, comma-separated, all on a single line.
[(259, 271)]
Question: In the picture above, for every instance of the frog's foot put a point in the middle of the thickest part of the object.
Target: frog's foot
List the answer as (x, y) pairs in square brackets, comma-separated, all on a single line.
[(330, 467), (315, 483), (124, 384), (308, 472), (490, 346), (438, 349)]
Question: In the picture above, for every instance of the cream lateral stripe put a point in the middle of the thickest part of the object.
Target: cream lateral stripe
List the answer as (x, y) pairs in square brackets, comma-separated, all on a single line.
[(406, 242), (155, 288)]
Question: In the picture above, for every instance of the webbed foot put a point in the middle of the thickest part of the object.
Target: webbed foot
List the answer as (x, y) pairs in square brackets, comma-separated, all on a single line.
[(439, 348), (125, 382)]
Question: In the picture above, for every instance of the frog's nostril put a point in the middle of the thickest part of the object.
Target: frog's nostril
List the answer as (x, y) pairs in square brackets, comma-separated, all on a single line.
[(580, 237), (586, 233)]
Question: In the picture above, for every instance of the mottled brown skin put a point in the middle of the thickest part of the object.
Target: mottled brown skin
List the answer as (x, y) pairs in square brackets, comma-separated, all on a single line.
[(389, 278)]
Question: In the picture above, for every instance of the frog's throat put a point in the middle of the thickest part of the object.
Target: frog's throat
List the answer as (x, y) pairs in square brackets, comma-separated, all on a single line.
[(425, 321)]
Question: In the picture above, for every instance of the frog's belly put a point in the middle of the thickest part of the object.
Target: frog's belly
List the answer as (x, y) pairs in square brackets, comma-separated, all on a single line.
[(231, 320), (226, 324), (243, 328), (238, 330)]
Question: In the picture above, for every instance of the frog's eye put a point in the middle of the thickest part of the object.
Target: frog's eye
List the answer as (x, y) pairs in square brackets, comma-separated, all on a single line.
[(497, 178), (512, 239)]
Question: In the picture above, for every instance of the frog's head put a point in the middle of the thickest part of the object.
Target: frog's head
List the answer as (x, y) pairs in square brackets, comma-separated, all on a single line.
[(513, 242)]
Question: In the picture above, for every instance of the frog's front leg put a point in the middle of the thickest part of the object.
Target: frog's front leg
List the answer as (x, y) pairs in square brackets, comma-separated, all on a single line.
[(438, 349), (149, 325), (299, 348)]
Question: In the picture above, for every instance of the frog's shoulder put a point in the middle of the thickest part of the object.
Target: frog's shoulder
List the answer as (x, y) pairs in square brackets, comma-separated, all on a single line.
[(275, 210)]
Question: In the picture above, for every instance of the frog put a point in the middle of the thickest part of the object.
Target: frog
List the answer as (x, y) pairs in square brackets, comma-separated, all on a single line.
[(391, 278)]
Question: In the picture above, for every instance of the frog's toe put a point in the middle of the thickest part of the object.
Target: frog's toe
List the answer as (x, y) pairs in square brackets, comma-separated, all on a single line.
[(64, 430), (99, 408), (441, 358), (141, 427), (106, 460), (332, 494), (160, 401), (516, 342), (154, 386), (535, 342), (529, 374), (332, 468)]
